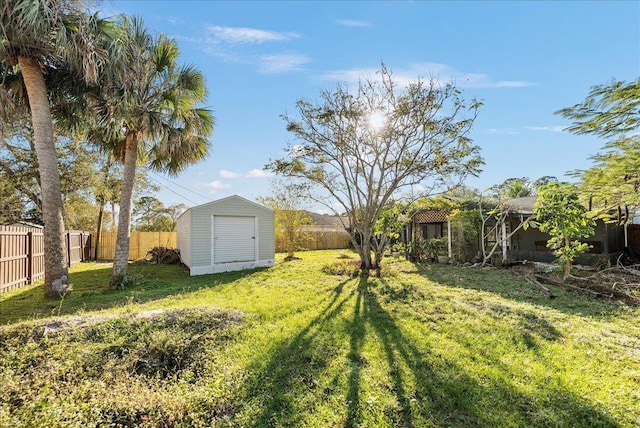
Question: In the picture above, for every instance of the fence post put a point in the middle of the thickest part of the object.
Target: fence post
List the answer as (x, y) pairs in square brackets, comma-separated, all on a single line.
[(81, 246), (29, 257), (68, 248)]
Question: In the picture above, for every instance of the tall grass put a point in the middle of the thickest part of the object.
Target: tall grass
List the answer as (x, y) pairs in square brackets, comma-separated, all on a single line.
[(426, 345)]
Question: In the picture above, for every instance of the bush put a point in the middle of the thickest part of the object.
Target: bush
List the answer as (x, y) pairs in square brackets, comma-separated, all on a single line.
[(343, 267), (163, 255)]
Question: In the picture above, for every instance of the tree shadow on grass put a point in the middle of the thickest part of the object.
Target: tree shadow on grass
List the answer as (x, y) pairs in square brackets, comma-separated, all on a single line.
[(427, 386), (434, 389), (281, 386), (509, 285), (91, 290)]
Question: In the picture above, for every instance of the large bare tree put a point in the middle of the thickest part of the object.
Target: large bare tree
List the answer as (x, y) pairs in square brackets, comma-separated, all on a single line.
[(363, 146)]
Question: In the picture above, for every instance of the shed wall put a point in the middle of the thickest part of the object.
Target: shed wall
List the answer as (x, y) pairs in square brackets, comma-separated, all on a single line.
[(184, 237), (201, 228)]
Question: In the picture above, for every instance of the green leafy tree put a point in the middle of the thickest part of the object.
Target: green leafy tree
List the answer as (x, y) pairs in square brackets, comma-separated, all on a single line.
[(610, 111), (607, 111), (363, 146), (387, 229), (559, 213), (150, 215), (288, 202), (148, 106), (47, 38), (614, 179)]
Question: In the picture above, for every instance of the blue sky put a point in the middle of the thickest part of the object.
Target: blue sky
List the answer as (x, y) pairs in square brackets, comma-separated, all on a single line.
[(523, 60)]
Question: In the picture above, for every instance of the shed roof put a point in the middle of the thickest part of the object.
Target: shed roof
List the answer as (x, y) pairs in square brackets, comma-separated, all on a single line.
[(218, 201)]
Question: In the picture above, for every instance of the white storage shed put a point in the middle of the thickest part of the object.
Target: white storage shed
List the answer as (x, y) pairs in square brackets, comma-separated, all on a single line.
[(229, 234)]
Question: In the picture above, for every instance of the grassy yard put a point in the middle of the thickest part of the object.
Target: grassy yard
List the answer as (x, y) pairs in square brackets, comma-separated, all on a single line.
[(424, 346)]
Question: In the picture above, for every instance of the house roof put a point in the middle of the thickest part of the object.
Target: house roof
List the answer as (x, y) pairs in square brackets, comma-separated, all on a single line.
[(327, 220), (521, 205), (430, 216)]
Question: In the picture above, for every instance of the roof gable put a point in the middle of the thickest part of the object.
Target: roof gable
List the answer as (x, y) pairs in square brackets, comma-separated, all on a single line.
[(227, 199)]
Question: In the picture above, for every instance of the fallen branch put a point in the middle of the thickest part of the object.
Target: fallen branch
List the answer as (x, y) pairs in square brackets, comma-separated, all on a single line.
[(531, 280), (603, 292)]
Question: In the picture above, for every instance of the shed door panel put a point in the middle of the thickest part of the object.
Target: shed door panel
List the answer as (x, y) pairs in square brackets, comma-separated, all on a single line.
[(234, 239)]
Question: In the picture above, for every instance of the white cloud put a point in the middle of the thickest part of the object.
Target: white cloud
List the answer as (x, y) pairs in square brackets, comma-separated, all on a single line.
[(245, 35), (254, 173), (546, 128), (174, 20), (217, 185), (507, 131), (259, 173), (281, 63), (353, 23), (439, 73), (228, 174)]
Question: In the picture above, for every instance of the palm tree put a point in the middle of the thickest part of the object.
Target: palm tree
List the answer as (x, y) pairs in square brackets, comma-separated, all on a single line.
[(149, 109), (53, 35)]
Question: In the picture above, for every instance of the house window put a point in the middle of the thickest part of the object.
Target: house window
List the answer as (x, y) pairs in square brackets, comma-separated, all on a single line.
[(432, 230)]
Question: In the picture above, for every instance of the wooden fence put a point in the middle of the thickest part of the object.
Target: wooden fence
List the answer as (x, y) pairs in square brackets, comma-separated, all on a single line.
[(22, 249), (139, 244), (22, 254), (319, 240)]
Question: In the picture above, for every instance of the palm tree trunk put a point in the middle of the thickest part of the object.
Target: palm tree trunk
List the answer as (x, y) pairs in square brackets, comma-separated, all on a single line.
[(99, 229), (121, 257), (56, 280)]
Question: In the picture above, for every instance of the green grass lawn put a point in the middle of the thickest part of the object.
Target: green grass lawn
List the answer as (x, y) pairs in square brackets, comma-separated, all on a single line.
[(426, 345)]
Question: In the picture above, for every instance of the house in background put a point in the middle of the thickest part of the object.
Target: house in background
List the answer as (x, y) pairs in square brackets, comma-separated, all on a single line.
[(609, 240), (426, 224), (326, 223), (226, 235)]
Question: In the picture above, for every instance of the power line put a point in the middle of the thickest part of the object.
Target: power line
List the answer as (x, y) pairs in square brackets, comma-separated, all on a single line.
[(173, 191), (182, 187)]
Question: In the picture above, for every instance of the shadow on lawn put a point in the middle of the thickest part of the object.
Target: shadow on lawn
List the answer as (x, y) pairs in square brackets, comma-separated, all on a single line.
[(91, 290), (428, 388), (512, 286)]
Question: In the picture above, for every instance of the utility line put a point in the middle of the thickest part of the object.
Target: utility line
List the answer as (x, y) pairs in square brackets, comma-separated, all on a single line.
[(182, 187), (173, 191)]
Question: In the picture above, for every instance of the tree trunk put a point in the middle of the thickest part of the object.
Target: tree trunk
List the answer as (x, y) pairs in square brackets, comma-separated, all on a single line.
[(99, 229), (121, 258), (56, 280), (102, 202), (568, 263)]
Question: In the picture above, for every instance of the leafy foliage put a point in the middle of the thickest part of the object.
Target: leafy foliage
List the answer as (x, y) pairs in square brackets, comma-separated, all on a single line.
[(150, 215), (609, 110), (614, 179), (164, 255), (288, 201), (421, 137), (559, 213)]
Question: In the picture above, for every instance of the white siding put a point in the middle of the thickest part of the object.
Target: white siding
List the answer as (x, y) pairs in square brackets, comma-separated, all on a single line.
[(184, 237), (234, 239), (202, 255)]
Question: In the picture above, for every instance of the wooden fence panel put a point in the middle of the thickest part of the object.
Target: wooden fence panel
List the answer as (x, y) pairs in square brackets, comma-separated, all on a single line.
[(22, 254), (139, 243), (319, 240)]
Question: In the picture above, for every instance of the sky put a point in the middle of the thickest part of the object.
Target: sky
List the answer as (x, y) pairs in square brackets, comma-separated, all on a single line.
[(523, 60)]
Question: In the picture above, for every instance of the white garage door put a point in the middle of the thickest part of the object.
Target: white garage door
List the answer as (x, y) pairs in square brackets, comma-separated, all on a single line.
[(234, 239)]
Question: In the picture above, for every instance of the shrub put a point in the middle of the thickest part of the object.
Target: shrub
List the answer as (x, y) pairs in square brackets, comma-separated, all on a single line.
[(343, 267), (164, 255)]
